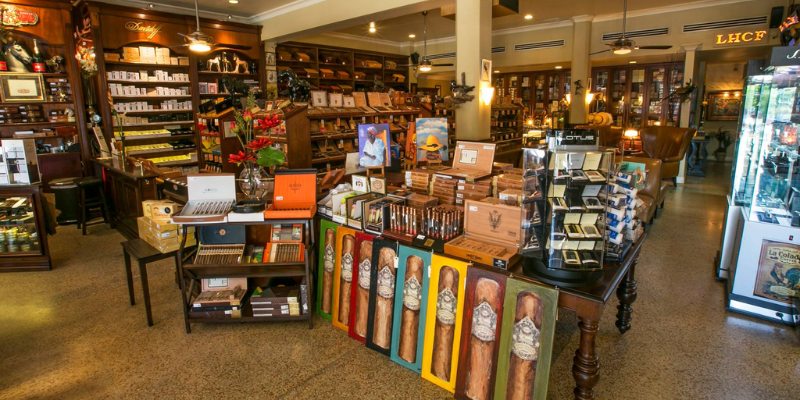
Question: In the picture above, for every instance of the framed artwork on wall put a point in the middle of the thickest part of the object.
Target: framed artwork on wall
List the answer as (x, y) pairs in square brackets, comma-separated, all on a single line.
[(18, 88), (724, 105)]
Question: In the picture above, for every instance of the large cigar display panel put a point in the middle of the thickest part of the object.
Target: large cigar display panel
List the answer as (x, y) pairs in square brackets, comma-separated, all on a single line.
[(343, 276), (381, 304), (410, 306), (359, 296), (444, 333), (326, 266), (525, 341)]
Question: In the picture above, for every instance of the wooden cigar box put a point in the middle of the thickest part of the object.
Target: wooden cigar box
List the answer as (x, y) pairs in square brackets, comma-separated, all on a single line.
[(410, 304), (210, 198), (446, 316), (491, 236), (295, 195), (484, 186), (421, 201), (471, 161), (530, 311), (355, 208), (376, 213), (480, 335)]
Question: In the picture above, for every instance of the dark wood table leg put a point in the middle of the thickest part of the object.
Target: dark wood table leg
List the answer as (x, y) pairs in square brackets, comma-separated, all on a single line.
[(585, 364), (129, 276), (626, 293), (146, 292), (177, 271)]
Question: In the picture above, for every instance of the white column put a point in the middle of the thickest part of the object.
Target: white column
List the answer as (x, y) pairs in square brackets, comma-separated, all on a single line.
[(581, 67), (686, 107), (473, 43)]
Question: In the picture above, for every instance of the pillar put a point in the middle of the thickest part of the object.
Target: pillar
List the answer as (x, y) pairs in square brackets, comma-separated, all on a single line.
[(581, 67), (686, 107), (473, 43)]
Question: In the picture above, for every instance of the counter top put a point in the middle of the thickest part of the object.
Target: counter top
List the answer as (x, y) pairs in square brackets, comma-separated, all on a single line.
[(118, 166)]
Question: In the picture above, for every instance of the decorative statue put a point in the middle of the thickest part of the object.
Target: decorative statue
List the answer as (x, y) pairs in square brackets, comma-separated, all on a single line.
[(55, 64), (461, 92), (296, 89), (17, 57), (211, 63), (240, 63), (226, 64)]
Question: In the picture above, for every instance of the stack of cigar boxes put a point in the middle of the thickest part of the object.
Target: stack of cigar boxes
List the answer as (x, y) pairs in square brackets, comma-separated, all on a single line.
[(444, 188), (157, 230), (477, 190), (418, 180)]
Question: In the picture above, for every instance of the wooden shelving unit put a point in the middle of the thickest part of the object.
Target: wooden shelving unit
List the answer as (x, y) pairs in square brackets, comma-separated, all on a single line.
[(191, 274)]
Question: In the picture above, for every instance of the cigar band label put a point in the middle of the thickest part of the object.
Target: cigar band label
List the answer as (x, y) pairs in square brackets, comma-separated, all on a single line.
[(347, 267), (386, 283), (525, 340), (412, 294), (329, 257), (446, 307), (364, 268), (484, 322)]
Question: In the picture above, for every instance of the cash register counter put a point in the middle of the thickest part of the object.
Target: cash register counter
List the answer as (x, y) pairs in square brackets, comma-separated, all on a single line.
[(126, 187)]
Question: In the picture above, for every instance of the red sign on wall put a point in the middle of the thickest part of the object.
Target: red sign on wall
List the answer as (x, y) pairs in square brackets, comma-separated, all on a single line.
[(13, 16)]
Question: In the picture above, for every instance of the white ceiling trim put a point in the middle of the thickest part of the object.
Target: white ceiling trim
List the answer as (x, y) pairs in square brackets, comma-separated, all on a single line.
[(668, 9), (281, 10), (384, 42), (177, 9)]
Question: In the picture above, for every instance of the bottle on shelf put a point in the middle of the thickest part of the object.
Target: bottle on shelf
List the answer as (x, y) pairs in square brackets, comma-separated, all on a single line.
[(37, 60)]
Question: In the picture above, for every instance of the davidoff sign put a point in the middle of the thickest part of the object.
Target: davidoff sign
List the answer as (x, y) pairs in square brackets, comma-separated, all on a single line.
[(141, 27)]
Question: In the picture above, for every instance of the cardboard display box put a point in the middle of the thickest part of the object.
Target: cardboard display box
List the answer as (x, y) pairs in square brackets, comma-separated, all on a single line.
[(383, 276), (410, 307), (491, 234), (360, 288), (164, 237), (326, 266), (343, 276)]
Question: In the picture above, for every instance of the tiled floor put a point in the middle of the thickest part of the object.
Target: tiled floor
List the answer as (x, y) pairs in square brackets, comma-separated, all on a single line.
[(70, 333)]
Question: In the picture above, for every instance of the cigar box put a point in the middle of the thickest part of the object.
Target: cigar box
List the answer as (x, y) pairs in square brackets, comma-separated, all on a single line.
[(355, 208), (445, 310), (339, 205), (526, 340), (343, 276), (410, 307), (360, 288), (484, 186), (491, 234), (480, 335), (210, 199), (295, 195), (376, 213), (421, 201), (383, 278), (326, 265), (471, 161)]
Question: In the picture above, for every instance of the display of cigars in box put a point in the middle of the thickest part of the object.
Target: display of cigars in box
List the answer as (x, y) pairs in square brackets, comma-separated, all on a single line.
[(294, 195), (491, 236)]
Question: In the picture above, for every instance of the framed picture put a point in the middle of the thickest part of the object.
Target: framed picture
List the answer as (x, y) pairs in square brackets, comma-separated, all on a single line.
[(360, 183), (377, 185), (526, 341), (272, 76), (360, 292), (410, 307), (343, 277), (19, 88), (327, 263), (486, 70), (724, 106), (319, 98), (270, 58), (383, 276), (431, 139), (373, 150), (776, 277)]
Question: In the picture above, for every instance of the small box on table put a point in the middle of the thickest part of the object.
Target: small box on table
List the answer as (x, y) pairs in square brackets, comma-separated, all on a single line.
[(491, 234)]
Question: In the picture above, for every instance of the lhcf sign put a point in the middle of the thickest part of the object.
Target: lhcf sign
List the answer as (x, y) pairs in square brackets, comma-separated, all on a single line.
[(740, 37)]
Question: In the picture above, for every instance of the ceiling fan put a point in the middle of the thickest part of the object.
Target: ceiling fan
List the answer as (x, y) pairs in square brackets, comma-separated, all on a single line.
[(200, 42), (424, 64), (623, 45)]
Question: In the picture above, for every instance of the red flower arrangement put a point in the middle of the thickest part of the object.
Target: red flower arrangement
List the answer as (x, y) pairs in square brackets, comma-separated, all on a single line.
[(256, 150)]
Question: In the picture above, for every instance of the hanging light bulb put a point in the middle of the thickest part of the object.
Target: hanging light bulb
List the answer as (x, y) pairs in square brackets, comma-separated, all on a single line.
[(372, 27)]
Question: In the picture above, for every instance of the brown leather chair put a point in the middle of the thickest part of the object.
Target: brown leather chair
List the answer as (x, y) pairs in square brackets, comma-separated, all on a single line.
[(668, 144), (650, 194)]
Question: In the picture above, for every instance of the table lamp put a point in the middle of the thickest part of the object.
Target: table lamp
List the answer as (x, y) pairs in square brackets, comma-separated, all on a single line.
[(631, 134)]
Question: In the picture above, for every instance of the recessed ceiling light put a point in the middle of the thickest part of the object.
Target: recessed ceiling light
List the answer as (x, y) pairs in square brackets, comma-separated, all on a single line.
[(632, 62), (151, 6), (372, 27), (558, 67), (233, 1), (230, 17), (411, 36), (497, 71), (529, 16)]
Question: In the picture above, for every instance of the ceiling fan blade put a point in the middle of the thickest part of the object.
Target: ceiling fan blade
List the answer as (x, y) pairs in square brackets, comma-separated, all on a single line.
[(655, 47), (406, 65), (598, 52), (234, 46), (443, 65)]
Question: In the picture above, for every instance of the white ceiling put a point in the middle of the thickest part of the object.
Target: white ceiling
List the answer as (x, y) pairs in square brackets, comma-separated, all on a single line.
[(213, 8)]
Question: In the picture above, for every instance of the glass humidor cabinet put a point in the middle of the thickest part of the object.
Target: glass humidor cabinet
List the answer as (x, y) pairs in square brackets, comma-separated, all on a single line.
[(766, 274), (23, 236), (534, 162)]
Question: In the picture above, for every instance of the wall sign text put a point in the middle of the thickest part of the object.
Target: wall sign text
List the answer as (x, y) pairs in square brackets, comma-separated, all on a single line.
[(741, 37), (141, 27)]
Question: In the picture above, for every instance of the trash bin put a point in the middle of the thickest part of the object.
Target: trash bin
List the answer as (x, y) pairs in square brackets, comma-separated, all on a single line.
[(67, 193)]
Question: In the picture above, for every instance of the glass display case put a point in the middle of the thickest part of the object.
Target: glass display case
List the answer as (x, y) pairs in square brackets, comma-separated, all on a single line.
[(766, 275), (23, 235), (534, 162)]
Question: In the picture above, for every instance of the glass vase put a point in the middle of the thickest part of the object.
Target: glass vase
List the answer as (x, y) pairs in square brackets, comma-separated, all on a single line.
[(254, 182)]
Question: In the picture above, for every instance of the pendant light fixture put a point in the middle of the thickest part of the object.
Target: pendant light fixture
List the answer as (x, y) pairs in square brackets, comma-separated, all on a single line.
[(198, 41)]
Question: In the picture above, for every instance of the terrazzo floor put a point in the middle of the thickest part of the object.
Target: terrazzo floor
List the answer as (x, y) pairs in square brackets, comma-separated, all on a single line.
[(71, 334)]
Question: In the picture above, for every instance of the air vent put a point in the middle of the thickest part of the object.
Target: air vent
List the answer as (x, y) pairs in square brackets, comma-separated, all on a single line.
[(708, 26), (499, 49), (538, 45), (635, 34), (442, 55)]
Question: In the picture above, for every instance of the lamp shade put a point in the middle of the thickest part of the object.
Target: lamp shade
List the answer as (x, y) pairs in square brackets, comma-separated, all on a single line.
[(631, 133)]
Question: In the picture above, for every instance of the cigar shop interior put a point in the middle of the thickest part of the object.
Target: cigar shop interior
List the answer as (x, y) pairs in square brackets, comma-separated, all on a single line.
[(399, 199)]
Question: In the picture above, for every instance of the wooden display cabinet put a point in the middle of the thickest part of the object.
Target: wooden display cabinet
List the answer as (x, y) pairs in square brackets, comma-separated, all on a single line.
[(23, 235)]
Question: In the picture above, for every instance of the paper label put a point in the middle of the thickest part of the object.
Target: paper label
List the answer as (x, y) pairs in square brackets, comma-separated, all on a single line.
[(278, 198), (329, 258), (412, 294), (386, 283), (484, 322), (446, 307), (347, 267), (364, 268), (525, 340)]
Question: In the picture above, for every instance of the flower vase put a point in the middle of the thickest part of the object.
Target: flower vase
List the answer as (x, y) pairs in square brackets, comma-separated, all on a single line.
[(253, 182)]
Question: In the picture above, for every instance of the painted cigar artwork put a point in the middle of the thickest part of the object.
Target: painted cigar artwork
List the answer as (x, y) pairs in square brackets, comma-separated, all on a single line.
[(488, 298), (327, 274), (348, 247), (362, 290), (412, 299), (384, 301), (524, 346), (444, 330)]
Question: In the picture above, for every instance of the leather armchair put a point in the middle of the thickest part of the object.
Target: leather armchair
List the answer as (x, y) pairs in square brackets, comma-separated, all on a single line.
[(668, 144), (651, 194)]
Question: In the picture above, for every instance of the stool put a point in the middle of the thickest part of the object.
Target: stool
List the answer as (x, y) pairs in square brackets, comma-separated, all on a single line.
[(144, 254), (91, 197)]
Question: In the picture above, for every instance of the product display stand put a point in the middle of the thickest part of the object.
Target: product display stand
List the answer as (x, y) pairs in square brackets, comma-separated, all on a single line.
[(191, 274)]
